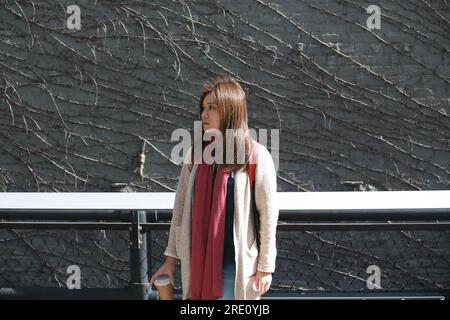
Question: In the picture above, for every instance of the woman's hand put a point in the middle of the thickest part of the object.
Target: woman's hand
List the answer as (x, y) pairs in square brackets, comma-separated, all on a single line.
[(168, 268), (263, 280)]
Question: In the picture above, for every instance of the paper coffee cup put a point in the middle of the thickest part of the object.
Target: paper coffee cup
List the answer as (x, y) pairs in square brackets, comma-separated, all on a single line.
[(165, 288)]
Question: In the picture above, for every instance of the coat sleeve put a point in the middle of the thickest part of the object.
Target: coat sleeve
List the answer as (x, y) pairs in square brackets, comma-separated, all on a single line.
[(177, 212), (267, 205)]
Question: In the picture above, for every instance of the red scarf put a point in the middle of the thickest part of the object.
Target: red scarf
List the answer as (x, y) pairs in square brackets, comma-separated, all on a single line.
[(208, 232)]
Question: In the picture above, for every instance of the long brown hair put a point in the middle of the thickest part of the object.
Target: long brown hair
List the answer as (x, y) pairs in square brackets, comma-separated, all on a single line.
[(232, 104)]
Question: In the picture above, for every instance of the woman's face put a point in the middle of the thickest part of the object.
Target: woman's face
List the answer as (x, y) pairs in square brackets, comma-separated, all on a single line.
[(210, 113)]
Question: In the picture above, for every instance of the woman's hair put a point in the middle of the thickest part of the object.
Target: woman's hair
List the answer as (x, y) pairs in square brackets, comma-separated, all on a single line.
[(231, 100)]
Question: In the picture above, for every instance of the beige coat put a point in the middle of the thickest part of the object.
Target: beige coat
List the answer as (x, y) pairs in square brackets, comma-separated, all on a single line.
[(247, 258)]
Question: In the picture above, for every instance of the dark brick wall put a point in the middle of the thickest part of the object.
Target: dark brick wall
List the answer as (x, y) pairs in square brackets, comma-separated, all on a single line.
[(351, 103)]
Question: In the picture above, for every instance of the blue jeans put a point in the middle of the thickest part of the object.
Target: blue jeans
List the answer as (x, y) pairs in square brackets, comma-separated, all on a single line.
[(228, 277)]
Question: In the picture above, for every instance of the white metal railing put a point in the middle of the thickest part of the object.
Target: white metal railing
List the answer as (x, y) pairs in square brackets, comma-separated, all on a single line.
[(288, 201)]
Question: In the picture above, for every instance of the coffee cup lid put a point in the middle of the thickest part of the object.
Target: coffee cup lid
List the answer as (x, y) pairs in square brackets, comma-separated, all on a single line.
[(163, 280)]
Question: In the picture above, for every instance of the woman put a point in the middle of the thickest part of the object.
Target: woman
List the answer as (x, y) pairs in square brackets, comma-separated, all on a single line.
[(212, 231)]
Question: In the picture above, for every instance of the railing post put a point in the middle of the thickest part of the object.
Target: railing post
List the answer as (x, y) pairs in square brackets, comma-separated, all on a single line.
[(148, 235), (139, 282)]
